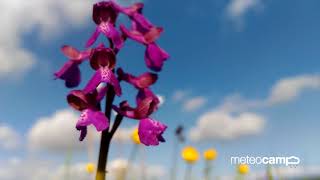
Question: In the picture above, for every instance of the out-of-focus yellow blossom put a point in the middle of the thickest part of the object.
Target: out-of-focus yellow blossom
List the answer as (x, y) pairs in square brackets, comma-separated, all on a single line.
[(243, 169), (135, 136), (90, 168), (190, 154), (210, 154)]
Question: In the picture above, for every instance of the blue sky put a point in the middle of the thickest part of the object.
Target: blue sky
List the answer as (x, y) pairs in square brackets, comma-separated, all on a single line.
[(218, 49)]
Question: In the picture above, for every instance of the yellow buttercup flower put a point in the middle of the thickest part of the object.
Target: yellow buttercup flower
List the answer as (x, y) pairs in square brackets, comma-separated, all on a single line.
[(190, 154), (90, 168), (135, 136), (210, 154), (243, 169)]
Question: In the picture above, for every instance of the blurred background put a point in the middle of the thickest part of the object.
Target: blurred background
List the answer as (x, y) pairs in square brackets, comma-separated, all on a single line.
[(243, 78)]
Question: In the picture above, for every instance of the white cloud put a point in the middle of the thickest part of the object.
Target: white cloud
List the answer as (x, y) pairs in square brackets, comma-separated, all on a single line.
[(9, 139), (28, 170), (221, 123), (237, 9), (31, 169), (123, 135), (290, 88), (194, 103), (15, 61), (46, 17), (56, 133), (118, 167), (300, 172), (74, 171), (225, 126), (236, 103), (179, 95), (283, 91), (23, 17), (162, 99)]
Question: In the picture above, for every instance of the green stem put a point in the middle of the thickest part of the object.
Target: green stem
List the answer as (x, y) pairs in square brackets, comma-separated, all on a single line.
[(188, 172), (107, 136), (207, 170), (131, 158), (175, 159)]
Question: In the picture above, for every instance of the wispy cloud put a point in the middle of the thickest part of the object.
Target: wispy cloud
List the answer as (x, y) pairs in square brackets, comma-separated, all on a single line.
[(162, 99), (9, 138), (300, 172), (123, 135), (179, 95), (283, 91), (194, 103), (231, 118), (47, 17), (39, 169), (55, 133), (225, 126), (288, 89), (237, 9), (151, 171)]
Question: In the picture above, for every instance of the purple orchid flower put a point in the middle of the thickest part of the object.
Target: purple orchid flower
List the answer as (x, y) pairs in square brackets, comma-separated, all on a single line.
[(70, 71), (80, 100), (154, 55), (150, 132), (91, 117), (102, 77), (134, 12), (90, 114), (143, 81), (146, 101), (105, 14)]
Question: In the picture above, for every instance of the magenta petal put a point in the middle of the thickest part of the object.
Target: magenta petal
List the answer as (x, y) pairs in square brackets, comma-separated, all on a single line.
[(146, 101), (146, 93), (78, 100), (70, 72), (133, 9), (93, 82), (83, 132), (134, 35), (143, 81), (150, 132), (103, 75), (111, 32), (155, 57), (93, 37), (95, 118), (107, 76), (70, 52), (142, 21), (127, 112)]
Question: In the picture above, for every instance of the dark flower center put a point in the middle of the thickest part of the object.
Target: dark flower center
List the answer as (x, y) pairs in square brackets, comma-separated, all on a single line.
[(104, 12), (103, 58)]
